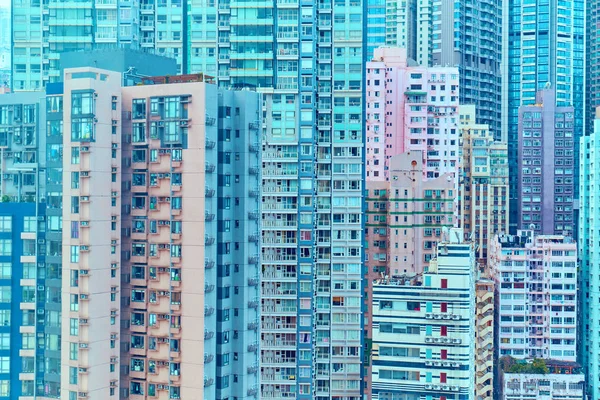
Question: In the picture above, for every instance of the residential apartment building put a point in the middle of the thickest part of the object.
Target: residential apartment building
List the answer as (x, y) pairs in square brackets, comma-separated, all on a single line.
[(30, 299), (310, 67), (411, 108), (536, 295), (5, 34), (312, 188), (589, 256), (134, 323), (404, 223), (592, 64), (423, 328), (484, 338), (484, 199), (463, 34), (546, 154), (406, 216), (529, 64), (563, 380)]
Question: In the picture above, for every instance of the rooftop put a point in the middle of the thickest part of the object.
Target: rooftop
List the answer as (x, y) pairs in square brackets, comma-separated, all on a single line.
[(526, 238), (167, 79), (538, 366)]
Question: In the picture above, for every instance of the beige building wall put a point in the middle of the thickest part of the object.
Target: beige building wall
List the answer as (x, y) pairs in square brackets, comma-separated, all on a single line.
[(484, 199), (484, 339), (91, 249)]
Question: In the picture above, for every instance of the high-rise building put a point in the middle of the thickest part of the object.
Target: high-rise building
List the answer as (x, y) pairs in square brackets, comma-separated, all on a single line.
[(423, 328), (589, 256), (30, 280), (536, 294), (484, 338), (406, 216), (546, 170), (136, 322), (5, 34), (592, 64), (409, 108), (310, 67), (462, 34), (542, 44), (483, 200), (404, 222), (312, 185)]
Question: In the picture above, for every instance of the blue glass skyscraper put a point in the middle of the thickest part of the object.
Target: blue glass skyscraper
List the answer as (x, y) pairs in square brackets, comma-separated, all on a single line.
[(543, 44)]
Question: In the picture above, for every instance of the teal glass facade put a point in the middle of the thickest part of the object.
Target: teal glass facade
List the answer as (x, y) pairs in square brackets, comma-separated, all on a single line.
[(543, 44)]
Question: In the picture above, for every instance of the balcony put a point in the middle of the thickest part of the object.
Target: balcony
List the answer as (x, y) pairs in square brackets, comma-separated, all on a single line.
[(209, 288), (208, 382), (208, 311), (209, 240), (208, 335), (208, 216), (209, 168), (210, 121), (210, 144), (208, 358), (209, 192), (254, 148), (209, 264)]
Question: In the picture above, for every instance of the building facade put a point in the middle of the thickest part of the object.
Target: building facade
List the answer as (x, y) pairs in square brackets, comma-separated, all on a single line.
[(589, 255), (592, 65), (30, 280), (531, 64), (135, 320), (536, 295), (462, 34), (484, 199), (406, 216), (484, 338), (546, 167), (423, 328), (411, 108), (404, 222), (562, 381), (310, 67)]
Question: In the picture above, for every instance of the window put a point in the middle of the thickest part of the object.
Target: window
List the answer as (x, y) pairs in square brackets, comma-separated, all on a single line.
[(4, 388), (74, 254), (5, 223), (82, 103), (27, 341), (4, 365), (5, 270), (74, 327), (5, 296), (4, 341), (74, 155), (5, 247), (73, 351), (29, 224)]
